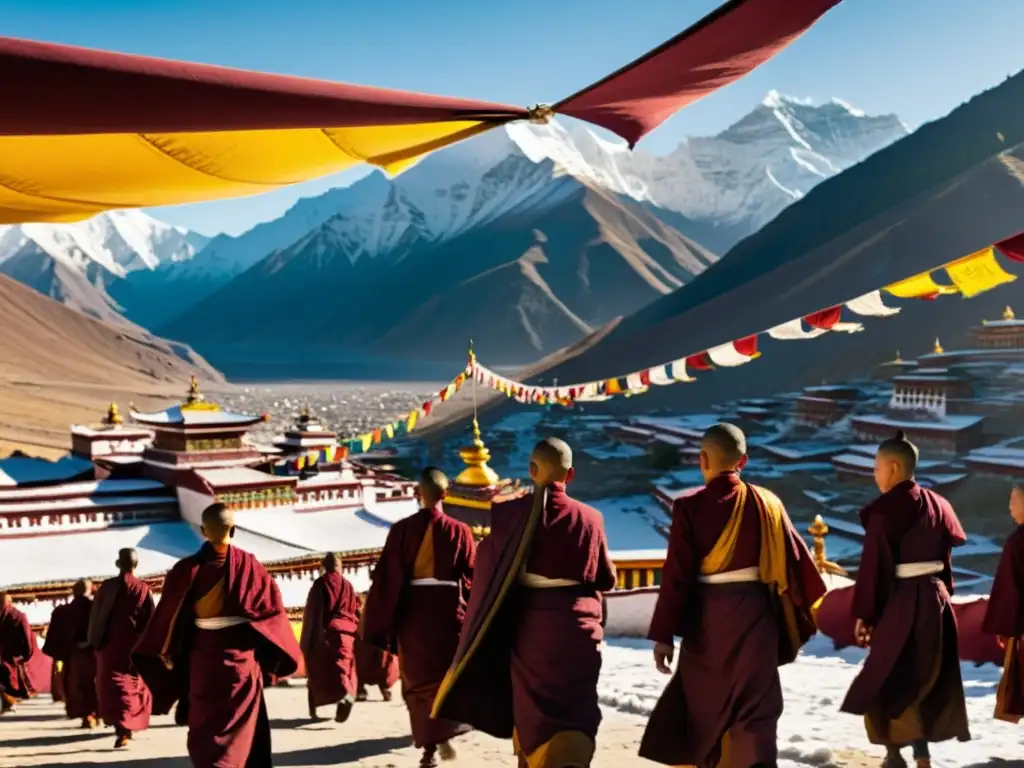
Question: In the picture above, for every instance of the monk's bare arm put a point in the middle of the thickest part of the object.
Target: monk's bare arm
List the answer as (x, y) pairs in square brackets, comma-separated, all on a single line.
[(677, 577)]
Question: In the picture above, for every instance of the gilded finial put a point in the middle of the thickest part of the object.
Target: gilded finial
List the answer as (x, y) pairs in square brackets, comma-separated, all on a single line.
[(195, 401), (899, 358), (819, 530), (475, 456), (1008, 314), (113, 417), (938, 350), (472, 355)]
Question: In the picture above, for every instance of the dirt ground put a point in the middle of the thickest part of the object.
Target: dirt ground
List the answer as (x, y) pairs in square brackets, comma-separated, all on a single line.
[(376, 736)]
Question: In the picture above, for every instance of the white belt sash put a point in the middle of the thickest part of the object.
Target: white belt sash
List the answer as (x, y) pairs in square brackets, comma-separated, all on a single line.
[(432, 582), (915, 570), (533, 581), (739, 576), (221, 622)]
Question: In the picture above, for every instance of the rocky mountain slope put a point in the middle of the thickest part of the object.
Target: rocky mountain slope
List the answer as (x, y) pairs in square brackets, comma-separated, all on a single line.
[(58, 367), (524, 202)]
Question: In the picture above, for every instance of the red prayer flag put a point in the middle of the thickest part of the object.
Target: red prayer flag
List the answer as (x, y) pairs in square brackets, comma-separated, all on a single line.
[(699, 362), (725, 45), (747, 346), (645, 377), (1012, 247), (825, 319), (427, 406)]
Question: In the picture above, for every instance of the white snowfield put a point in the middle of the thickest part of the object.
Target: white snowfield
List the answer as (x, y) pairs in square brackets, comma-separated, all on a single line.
[(813, 732)]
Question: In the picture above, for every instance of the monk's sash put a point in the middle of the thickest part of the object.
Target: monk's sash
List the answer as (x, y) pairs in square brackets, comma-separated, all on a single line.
[(773, 565), (423, 569), (1010, 673), (917, 570), (739, 576), (220, 622), (535, 581)]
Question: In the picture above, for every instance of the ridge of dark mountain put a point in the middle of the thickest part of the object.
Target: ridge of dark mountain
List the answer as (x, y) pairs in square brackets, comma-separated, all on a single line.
[(550, 271)]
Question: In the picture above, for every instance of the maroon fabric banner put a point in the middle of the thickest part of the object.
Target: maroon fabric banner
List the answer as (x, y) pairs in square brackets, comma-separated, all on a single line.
[(719, 49), (1012, 247), (64, 90)]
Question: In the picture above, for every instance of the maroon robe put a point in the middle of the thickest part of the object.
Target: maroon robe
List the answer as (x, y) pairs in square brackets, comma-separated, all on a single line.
[(529, 658), (17, 647), (122, 610), (217, 675), (1005, 618), (55, 645), (329, 625), (67, 641), (422, 622), (725, 699), (374, 666), (909, 687)]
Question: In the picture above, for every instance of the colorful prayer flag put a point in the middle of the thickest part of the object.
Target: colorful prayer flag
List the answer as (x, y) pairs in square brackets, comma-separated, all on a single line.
[(365, 441), (921, 286), (871, 305), (978, 273), (1012, 247), (410, 422)]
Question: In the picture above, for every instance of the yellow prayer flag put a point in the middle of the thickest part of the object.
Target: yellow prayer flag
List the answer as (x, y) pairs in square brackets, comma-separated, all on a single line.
[(389, 430), (365, 440), (612, 387), (978, 273), (919, 287), (300, 462), (410, 423), (329, 452), (313, 458)]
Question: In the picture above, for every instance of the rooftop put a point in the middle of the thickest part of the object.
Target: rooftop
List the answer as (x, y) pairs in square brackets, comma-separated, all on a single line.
[(21, 470), (183, 416), (954, 422), (87, 488), (231, 476)]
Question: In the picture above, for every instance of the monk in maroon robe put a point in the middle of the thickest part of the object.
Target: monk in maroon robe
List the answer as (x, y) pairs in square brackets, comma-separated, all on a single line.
[(529, 656), (737, 586), (373, 666), (416, 606), (17, 646), (219, 633), (1004, 616), (329, 624), (122, 610), (909, 689), (67, 642)]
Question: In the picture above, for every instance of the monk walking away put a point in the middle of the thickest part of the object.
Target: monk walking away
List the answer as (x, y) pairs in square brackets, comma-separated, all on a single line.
[(374, 667), (219, 633), (1004, 616), (329, 624), (417, 604), (121, 613), (17, 647), (67, 643), (737, 586), (529, 657), (909, 689)]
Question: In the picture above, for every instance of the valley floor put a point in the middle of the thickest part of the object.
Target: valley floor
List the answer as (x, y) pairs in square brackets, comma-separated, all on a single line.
[(812, 732)]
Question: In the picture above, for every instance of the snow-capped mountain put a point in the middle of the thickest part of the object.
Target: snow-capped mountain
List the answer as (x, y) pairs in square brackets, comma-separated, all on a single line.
[(78, 264)]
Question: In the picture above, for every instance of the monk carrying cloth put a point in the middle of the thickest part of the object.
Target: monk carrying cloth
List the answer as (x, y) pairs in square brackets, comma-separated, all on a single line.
[(909, 689), (219, 632), (738, 585), (329, 624), (416, 606), (17, 646), (529, 657), (1004, 615), (123, 609), (67, 643)]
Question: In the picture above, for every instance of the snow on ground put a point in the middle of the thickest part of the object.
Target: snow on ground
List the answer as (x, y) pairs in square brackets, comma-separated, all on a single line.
[(629, 522), (812, 728), (615, 451)]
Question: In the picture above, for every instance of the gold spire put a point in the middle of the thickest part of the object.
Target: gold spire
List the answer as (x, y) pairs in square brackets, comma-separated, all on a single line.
[(113, 417), (938, 350), (899, 358), (476, 474), (1008, 314), (194, 400)]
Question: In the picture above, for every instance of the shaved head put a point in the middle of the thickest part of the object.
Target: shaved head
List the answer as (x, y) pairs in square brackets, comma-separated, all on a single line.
[(218, 523), (723, 448), (82, 587), (127, 560), (551, 461), (332, 562), (432, 486)]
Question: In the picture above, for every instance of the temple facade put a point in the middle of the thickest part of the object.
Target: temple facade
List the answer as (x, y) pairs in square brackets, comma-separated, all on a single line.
[(1005, 333)]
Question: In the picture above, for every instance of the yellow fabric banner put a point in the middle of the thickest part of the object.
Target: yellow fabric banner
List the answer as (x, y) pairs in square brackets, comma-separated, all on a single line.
[(389, 430), (919, 287), (410, 423), (365, 440), (978, 273)]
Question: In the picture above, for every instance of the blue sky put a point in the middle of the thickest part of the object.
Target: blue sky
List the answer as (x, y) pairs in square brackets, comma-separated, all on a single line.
[(917, 58)]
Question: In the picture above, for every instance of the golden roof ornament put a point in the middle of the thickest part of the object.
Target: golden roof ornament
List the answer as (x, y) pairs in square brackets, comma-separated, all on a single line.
[(194, 400), (476, 474), (113, 417), (899, 358), (1008, 314), (938, 350)]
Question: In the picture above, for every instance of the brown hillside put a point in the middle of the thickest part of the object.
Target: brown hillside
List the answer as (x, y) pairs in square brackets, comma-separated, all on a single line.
[(58, 366)]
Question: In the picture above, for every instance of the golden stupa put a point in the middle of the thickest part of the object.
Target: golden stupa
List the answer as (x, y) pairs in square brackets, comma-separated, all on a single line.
[(1008, 314), (475, 456), (938, 350), (195, 401)]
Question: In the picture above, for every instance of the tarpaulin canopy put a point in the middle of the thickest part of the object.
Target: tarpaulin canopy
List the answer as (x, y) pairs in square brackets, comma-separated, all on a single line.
[(89, 131)]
